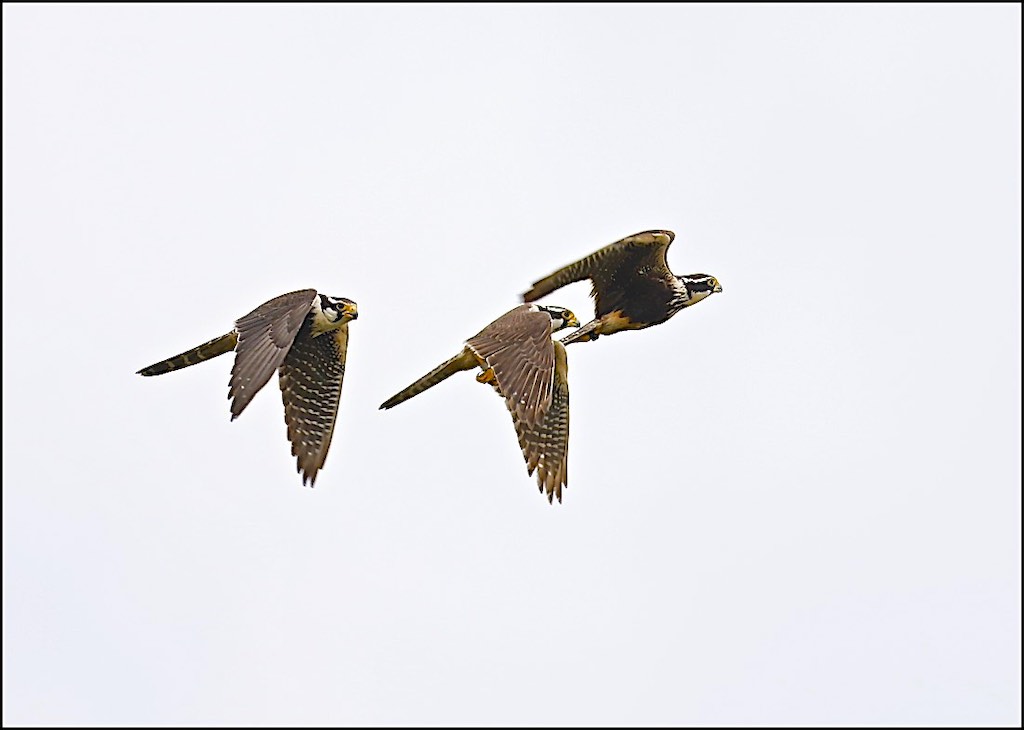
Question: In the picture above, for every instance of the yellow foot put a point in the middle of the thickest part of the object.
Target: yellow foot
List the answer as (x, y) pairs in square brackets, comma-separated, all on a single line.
[(487, 376), (585, 337)]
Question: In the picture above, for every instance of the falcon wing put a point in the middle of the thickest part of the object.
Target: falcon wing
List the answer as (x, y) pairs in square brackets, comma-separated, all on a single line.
[(546, 445), (518, 346), (311, 378), (611, 268), (264, 337)]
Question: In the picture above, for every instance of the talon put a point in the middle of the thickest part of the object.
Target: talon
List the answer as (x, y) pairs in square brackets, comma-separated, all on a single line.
[(487, 376)]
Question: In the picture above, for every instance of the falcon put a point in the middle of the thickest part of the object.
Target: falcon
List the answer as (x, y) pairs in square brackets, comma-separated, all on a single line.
[(632, 285), (304, 336), (520, 360)]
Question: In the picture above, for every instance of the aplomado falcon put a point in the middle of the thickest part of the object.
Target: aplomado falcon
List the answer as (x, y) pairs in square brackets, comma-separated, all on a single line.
[(632, 285), (528, 369), (304, 336)]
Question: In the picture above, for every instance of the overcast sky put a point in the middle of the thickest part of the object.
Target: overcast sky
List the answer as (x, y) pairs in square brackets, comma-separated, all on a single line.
[(795, 503)]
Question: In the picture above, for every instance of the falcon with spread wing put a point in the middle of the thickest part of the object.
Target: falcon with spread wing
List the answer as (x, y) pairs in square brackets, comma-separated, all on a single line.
[(632, 285), (304, 336), (528, 369)]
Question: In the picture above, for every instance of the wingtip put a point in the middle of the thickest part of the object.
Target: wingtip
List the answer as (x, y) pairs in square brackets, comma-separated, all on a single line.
[(307, 476), (660, 232)]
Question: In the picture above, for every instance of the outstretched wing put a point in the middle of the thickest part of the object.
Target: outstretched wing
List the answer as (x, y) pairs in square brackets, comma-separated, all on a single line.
[(519, 348), (546, 445), (612, 269), (264, 337), (311, 378)]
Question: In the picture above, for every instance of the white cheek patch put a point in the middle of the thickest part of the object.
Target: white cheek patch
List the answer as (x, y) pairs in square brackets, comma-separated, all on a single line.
[(325, 319)]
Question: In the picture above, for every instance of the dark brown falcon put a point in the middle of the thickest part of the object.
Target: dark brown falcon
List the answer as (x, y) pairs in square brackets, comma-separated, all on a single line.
[(302, 335), (632, 285), (528, 369)]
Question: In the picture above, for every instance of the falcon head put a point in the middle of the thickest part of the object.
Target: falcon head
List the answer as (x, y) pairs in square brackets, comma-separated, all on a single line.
[(560, 317), (332, 312), (699, 286)]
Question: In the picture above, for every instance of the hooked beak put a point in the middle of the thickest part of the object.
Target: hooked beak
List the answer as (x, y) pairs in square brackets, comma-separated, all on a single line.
[(572, 321), (351, 311), (717, 289)]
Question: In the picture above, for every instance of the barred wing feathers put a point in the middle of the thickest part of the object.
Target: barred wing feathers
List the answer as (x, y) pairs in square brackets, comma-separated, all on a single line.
[(265, 336), (546, 445), (311, 377), (611, 268), (518, 346)]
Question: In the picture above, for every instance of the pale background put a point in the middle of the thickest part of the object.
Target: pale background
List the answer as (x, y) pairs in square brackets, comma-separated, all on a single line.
[(798, 502)]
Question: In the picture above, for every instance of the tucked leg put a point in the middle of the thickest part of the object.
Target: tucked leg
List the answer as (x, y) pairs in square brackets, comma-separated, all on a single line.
[(486, 376)]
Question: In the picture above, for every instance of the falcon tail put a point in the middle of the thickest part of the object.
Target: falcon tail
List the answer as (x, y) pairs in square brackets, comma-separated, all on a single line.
[(207, 350), (465, 360)]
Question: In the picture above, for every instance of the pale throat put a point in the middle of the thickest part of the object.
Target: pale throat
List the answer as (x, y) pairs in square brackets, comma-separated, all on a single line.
[(322, 323), (685, 298), (695, 297)]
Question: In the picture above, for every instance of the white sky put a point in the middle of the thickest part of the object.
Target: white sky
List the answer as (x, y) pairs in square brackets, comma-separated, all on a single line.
[(796, 503)]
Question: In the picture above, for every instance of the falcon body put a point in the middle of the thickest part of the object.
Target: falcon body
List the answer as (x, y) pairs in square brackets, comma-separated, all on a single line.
[(632, 285), (520, 360), (304, 336)]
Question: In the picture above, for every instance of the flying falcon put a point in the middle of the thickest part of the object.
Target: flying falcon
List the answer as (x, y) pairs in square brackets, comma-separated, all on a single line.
[(529, 370), (632, 284), (304, 336)]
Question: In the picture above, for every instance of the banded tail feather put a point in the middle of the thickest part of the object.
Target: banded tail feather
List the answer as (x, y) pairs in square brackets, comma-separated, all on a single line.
[(465, 360), (206, 351)]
